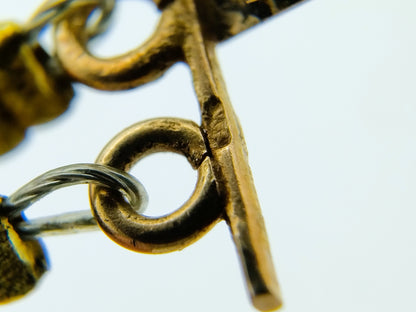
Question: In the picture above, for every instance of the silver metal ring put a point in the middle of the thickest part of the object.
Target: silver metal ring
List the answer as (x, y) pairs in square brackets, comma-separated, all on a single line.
[(114, 179)]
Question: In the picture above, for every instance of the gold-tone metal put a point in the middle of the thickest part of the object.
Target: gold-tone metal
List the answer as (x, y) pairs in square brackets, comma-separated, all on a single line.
[(170, 232), (22, 263), (217, 21), (32, 89), (188, 31)]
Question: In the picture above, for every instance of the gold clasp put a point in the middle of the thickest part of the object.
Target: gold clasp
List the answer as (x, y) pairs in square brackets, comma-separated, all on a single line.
[(188, 31)]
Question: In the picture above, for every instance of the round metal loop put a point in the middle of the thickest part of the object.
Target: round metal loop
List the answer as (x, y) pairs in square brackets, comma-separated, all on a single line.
[(119, 181), (139, 66), (53, 11), (173, 231)]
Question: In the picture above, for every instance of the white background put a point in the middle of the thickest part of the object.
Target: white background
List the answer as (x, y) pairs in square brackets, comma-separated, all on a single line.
[(326, 97)]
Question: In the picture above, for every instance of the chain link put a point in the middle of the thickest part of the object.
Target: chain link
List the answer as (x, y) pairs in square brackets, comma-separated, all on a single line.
[(50, 181), (52, 11)]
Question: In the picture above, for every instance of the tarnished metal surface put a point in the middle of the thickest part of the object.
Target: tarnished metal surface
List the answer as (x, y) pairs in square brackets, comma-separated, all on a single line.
[(216, 20), (188, 31), (22, 263), (171, 232), (32, 89)]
